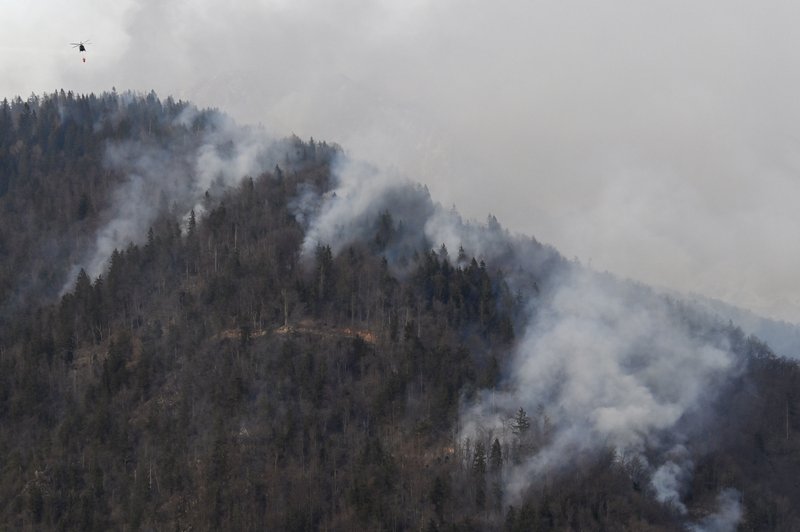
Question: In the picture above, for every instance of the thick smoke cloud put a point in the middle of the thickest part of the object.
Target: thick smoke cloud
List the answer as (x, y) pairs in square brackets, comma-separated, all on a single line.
[(363, 192), (672, 476), (173, 179), (657, 140), (612, 365)]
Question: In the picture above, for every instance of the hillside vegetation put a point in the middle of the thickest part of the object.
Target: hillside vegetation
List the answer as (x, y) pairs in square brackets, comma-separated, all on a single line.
[(215, 376)]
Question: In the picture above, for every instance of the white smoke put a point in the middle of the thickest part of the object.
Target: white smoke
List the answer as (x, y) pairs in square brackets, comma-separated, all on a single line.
[(362, 192), (671, 477), (229, 153), (613, 365), (159, 179), (727, 516), (342, 216)]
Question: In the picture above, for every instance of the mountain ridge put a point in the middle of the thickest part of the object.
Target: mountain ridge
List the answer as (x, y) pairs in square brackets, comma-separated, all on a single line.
[(293, 340)]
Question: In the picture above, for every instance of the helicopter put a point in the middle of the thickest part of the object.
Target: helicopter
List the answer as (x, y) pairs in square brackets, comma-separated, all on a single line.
[(81, 46)]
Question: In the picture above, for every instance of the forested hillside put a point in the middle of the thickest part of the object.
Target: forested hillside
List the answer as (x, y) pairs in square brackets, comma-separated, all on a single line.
[(221, 370)]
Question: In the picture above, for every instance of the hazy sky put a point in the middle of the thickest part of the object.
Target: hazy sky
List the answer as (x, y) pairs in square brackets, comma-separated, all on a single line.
[(659, 140)]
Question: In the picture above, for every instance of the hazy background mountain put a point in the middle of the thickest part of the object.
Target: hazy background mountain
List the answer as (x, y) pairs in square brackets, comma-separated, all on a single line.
[(782, 337)]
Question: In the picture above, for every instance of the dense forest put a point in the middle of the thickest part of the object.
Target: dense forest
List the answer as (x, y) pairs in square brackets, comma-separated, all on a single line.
[(213, 375)]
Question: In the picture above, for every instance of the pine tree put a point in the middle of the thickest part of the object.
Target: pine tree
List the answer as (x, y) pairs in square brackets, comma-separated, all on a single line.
[(496, 457), (479, 475), (521, 423)]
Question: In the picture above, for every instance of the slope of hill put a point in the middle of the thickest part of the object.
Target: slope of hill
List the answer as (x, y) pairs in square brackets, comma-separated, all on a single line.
[(205, 328), (783, 337)]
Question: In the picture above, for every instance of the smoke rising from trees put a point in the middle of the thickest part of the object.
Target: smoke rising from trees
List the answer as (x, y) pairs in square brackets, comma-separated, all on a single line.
[(174, 179), (656, 141), (608, 362), (727, 516), (612, 365), (589, 400)]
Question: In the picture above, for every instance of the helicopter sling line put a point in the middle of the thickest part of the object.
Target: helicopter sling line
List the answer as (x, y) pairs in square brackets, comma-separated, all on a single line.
[(81, 46)]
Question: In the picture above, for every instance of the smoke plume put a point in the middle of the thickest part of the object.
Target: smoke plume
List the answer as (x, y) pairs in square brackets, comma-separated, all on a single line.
[(363, 192), (727, 516), (612, 365), (173, 179), (671, 477)]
